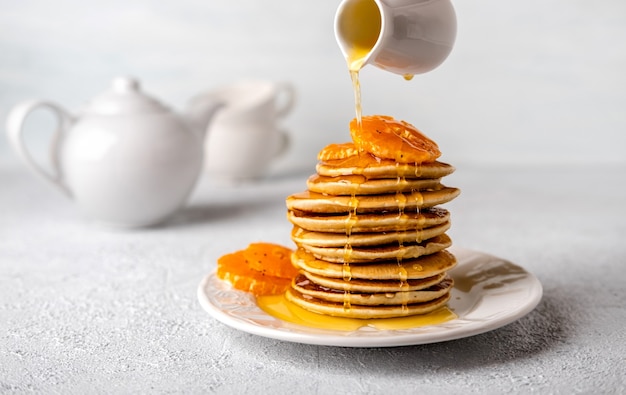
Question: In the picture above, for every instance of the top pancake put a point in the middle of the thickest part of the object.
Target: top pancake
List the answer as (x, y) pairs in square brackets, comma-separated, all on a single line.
[(373, 168)]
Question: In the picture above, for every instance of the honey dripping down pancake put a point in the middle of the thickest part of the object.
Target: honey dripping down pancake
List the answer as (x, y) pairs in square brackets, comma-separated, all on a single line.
[(371, 238)]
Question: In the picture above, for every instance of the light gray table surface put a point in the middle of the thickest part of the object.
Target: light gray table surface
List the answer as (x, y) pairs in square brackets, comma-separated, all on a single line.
[(85, 309)]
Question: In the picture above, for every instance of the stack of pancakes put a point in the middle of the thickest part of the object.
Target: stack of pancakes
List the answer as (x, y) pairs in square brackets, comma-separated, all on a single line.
[(371, 241)]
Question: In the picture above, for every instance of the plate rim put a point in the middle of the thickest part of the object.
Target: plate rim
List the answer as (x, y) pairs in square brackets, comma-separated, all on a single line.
[(387, 338)]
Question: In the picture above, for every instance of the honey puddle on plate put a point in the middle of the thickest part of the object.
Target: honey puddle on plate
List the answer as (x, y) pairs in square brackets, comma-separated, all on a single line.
[(278, 306)]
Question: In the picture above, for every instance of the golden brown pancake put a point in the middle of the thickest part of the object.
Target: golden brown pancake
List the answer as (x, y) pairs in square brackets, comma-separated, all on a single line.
[(374, 286), (359, 185), (399, 297), (407, 269), (326, 239), (364, 254), (314, 202), (361, 311), (382, 168), (369, 222)]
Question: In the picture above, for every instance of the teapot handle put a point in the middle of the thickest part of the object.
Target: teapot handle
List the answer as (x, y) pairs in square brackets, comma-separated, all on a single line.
[(15, 123)]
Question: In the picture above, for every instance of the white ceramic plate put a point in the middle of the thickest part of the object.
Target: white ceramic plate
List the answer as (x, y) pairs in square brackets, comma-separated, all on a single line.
[(489, 293)]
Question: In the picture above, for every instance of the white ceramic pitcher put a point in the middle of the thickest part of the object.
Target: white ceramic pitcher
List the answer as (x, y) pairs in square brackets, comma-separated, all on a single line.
[(125, 159), (405, 37)]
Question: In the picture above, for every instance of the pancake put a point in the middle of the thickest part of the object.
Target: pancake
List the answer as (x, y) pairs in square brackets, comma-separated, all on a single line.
[(319, 203), (399, 297), (371, 167), (369, 222), (380, 252), (360, 185), (374, 286), (361, 311), (407, 269), (324, 239)]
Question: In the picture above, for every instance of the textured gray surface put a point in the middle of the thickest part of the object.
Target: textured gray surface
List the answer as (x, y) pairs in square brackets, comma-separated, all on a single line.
[(91, 310)]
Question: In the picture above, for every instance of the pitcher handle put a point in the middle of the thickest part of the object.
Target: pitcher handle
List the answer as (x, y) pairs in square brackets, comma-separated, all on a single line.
[(15, 133), (283, 144), (288, 93)]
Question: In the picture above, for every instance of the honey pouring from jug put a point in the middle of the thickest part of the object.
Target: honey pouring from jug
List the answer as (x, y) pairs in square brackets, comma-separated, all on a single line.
[(404, 37), (126, 159)]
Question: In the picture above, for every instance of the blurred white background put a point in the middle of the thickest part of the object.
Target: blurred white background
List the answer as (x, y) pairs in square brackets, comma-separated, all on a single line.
[(528, 82)]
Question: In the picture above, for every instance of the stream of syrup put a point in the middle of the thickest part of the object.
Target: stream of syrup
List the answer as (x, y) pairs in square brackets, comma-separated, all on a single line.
[(361, 28)]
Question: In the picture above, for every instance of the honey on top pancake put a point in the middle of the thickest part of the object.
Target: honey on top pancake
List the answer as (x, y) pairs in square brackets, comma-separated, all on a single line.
[(371, 167), (379, 140), (383, 147), (387, 138)]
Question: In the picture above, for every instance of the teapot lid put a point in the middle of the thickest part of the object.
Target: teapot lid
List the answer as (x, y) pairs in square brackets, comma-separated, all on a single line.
[(124, 97)]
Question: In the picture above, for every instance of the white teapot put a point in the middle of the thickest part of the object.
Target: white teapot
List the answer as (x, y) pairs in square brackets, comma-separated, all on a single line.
[(126, 160)]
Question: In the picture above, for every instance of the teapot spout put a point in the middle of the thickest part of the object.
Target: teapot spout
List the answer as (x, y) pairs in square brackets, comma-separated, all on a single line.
[(199, 113)]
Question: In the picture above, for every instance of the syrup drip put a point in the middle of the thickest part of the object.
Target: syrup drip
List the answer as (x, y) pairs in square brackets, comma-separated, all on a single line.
[(419, 235), (347, 253), (421, 219), (401, 198), (403, 286), (352, 215), (419, 199), (347, 250), (418, 170), (405, 302)]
